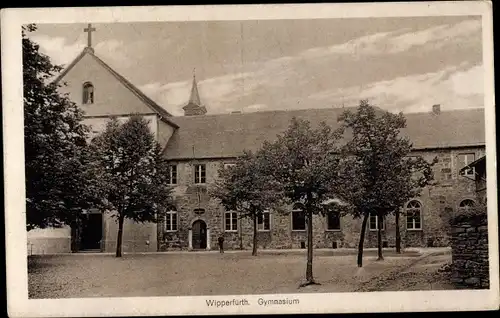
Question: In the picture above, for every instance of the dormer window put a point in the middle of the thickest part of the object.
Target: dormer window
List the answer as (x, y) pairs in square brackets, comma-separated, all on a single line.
[(88, 93)]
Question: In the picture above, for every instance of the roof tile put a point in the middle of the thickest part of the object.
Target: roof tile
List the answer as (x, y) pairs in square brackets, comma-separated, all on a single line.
[(227, 135)]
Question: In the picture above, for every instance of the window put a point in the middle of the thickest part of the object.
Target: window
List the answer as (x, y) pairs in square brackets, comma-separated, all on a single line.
[(231, 221), (229, 165), (463, 160), (199, 174), (171, 220), (374, 222), (414, 215), (172, 174), (333, 221), (298, 218), (88, 93), (264, 221), (466, 204)]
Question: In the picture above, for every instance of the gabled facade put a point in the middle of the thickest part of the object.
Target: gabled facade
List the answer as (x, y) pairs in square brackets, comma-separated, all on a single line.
[(102, 93)]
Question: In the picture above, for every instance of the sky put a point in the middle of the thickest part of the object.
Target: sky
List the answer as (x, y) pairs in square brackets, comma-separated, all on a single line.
[(398, 64)]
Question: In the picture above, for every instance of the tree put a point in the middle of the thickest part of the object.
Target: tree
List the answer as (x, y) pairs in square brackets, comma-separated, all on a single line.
[(377, 176), (59, 185), (416, 173), (303, 161), (245, 188), (132, 172)]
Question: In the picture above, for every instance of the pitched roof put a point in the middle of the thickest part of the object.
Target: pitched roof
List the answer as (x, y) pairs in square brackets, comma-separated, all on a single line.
[(164, 114), (456, 128), (227, 135)]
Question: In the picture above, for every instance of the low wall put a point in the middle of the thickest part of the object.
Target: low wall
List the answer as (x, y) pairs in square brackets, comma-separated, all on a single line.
[(49, 245), (49, 241), (470, 266)]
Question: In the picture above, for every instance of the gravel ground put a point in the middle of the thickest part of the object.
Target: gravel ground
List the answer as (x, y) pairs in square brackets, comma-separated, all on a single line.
[(423, 275), (169, 274), (420, 274)]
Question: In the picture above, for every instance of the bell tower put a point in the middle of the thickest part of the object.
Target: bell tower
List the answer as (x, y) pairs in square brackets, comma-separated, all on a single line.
[(194, 106)]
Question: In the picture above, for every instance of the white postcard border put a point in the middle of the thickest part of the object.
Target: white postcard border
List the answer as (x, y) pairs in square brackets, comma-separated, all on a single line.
[(401, 301)]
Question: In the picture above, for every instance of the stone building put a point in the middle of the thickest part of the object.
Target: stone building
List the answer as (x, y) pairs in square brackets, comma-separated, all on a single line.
[(477, 172), (199, 143), (204, 143)]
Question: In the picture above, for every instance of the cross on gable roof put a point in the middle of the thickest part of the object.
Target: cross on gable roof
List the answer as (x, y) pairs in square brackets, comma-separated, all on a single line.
[(164, 114)]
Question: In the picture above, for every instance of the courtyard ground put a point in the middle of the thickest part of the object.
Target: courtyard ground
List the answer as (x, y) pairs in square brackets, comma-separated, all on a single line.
[(231, 273)]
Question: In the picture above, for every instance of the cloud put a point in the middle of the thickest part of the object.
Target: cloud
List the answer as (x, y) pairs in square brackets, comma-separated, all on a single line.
[(469, 82), (437, 36), (216, 92), (453, 87), (227, 87), (114, 52), (59, 51), (62, 53), (369, 44), (300, 77), (171, 96), (400, 40)]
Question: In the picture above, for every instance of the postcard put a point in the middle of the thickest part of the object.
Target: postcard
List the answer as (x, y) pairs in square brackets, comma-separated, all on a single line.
[(250, 159)]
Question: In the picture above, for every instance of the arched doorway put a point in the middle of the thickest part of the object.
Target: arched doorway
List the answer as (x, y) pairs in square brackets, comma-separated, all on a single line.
[(199, 235)]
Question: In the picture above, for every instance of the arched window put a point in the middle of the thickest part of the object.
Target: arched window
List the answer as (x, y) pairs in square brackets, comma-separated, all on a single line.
[(466, 204), (88, 93), (414, 215), (171, 220), (298, 217)]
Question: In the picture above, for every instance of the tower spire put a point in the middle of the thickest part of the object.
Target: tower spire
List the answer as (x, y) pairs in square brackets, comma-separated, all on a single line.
[(195, 96), (194, 107)]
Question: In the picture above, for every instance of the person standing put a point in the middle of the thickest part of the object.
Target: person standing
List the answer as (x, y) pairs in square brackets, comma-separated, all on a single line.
[(221, 244)]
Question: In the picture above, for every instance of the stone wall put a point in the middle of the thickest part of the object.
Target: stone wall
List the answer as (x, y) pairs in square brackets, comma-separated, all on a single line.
[(470, 266), (437, 200)]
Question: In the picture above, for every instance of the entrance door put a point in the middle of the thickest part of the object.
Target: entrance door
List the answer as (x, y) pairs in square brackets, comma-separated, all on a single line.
[(199, 235), (91, 234)]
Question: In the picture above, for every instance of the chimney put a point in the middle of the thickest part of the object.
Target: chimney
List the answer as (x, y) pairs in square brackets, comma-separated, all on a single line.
[(436, 109)]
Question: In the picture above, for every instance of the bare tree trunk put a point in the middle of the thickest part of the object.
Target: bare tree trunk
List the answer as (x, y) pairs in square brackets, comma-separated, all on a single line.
[(362, 239), (309, 269), (398, 233), (380, 221), (121, 218), (254, 251)]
